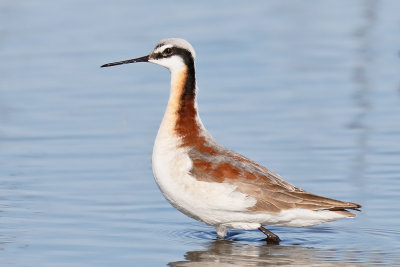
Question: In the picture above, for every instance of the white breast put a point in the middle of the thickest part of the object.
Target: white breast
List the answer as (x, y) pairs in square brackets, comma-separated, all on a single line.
[(197, 199)]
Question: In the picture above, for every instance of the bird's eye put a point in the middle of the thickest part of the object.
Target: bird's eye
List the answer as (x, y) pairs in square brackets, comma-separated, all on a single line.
[(168, 51)]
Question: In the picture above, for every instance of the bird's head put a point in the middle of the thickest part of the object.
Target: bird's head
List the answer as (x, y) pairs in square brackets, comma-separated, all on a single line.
[(172, 53)]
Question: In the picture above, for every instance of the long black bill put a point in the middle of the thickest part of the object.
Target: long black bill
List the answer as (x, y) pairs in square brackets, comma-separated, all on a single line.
[(139, 59)]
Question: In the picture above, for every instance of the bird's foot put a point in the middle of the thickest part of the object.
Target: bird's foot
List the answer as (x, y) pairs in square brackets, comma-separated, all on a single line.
[(271, 237)]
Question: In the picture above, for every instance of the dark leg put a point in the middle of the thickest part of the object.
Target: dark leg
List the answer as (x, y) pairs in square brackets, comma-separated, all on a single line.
[(271, 237)]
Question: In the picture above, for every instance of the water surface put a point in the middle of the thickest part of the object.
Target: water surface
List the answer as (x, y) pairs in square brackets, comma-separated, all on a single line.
[(309, 89)]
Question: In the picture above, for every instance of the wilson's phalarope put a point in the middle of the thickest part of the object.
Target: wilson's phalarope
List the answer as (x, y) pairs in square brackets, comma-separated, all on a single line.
[(211, 183)]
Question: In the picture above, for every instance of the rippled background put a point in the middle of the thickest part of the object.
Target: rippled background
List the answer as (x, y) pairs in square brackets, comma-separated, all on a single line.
[(310, 89)]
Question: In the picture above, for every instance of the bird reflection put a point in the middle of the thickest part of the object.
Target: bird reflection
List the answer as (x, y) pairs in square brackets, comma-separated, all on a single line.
[(231, 253)]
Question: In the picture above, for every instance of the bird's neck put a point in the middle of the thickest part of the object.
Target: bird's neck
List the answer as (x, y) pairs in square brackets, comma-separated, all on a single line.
[(181, 114), (181, 119)]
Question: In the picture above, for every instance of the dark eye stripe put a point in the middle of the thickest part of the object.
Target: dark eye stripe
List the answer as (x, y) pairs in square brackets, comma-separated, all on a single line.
[(156, 55), (183, 53)]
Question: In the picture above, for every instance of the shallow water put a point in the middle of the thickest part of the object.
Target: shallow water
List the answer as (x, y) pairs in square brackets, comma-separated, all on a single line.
[(308, 89)]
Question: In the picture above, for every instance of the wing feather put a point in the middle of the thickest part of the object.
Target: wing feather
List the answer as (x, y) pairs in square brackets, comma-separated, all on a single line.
[(273, 194)]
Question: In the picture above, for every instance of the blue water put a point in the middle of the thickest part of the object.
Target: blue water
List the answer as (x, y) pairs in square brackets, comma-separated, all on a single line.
[(310, 89)]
